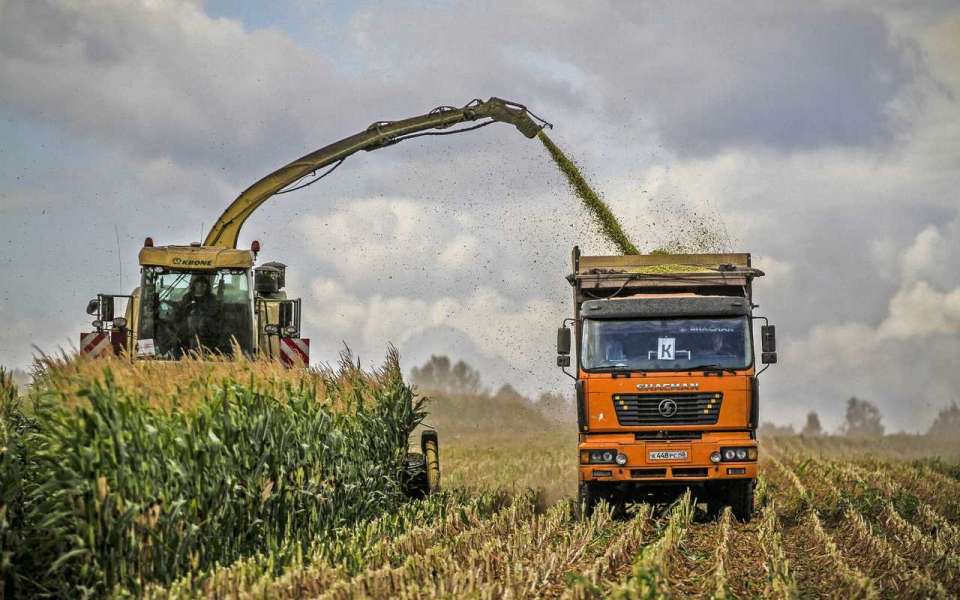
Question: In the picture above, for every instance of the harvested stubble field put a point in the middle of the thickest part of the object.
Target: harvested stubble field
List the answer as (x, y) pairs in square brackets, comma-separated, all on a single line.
[(834, 518)]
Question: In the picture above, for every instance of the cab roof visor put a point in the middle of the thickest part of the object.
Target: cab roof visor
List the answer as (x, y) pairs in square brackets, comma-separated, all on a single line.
[(654, 308)]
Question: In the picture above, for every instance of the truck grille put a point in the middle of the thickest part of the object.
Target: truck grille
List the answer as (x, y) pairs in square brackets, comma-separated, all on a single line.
[(655, 409)]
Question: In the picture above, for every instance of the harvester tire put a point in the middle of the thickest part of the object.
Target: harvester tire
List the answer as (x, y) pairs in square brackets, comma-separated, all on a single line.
[(415, 484), (430, 445)]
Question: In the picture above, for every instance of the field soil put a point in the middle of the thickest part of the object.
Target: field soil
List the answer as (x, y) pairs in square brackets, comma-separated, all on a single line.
[(834, 519)]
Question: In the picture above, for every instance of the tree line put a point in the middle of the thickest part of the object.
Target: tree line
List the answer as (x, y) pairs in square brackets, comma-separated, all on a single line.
[(440, 375)]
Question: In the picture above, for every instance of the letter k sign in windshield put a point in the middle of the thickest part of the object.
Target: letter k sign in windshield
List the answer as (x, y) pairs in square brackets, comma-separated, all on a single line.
[(666, 348)]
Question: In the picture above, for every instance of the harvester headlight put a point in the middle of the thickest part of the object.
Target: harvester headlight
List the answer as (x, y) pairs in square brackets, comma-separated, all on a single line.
[(715, 457), (289, 330), (120, 322), (271, 329), (621, 458), (98, 323), (741, 454)]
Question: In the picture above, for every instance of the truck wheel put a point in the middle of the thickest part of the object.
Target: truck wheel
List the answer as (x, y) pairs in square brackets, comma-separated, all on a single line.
[(716, 501), (586, 499), (740, 499), (431, 455)]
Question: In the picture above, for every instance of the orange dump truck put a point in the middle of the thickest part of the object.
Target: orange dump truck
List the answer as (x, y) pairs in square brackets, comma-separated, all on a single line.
[(667, 394)]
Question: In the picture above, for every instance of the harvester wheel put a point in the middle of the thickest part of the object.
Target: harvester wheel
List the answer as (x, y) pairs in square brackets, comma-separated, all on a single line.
[(431, 454), (415, 483)]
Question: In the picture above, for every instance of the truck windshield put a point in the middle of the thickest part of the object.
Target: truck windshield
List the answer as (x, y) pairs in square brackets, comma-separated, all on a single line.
[(194, 310), (665, 345)]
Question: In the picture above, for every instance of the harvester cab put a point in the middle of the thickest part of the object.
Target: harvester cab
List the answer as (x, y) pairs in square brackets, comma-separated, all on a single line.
[(201, 299)]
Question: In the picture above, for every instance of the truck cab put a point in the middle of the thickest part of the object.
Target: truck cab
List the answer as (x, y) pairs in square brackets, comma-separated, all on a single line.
[(666, 378)]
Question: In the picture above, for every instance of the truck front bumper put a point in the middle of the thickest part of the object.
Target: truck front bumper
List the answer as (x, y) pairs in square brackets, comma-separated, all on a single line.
[(673, 461)]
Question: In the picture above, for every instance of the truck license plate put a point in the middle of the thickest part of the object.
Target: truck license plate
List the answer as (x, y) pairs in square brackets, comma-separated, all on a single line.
[(667, 455)]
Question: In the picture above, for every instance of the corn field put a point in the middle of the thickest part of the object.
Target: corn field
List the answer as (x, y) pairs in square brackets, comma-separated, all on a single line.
[(240, 481)]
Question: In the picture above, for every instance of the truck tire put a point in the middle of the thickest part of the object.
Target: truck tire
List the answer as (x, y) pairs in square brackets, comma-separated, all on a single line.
[(716, 501), (740, 499), (586, 499)]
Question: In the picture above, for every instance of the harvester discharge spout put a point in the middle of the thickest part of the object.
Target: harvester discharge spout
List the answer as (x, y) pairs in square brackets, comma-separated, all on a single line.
[(516, 114)]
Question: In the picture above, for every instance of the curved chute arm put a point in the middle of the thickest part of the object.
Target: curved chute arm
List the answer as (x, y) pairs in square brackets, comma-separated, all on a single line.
[(226, 230)]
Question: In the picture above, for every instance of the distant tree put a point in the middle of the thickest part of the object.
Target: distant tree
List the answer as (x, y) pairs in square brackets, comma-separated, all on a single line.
[(437, 374), (464, 379), (768, 429), (812, 428), (554, 406), (947, 421), (507, 393), (863, 419)]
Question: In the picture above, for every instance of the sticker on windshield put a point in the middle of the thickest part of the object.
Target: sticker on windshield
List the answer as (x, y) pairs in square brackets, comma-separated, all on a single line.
[(666, 348), (146, 347)]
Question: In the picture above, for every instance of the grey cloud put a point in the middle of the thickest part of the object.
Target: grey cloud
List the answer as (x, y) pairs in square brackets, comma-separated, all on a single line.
[(784, 76)]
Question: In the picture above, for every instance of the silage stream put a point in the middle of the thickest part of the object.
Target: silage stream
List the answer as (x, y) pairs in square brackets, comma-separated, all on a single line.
[(605, 218)]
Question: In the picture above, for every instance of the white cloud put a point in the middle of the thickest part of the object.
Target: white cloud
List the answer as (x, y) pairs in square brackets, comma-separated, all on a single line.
[(920, 311)]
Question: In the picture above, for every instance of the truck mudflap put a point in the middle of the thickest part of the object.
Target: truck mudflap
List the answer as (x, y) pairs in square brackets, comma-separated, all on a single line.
[(295, 352)]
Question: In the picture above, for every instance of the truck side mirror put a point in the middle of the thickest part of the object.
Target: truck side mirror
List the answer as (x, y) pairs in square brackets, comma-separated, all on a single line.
[(93, 307), (106, 308), (563, 341), (563, 360), (768, 338), (768, 344)]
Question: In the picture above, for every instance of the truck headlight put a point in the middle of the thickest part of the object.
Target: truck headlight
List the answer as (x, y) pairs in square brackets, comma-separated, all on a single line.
[(621, 458), (715, 457), (742, 453), (600, 457)]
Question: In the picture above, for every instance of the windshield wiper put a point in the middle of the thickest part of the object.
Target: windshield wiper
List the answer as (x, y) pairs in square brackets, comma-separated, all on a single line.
[(712, 367)]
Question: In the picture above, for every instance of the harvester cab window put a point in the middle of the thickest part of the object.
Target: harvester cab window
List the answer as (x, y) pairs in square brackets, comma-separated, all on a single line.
[(195, 311), (666, 344)]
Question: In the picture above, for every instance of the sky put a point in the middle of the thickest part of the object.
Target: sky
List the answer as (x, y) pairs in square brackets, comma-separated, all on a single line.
[(822, 137)]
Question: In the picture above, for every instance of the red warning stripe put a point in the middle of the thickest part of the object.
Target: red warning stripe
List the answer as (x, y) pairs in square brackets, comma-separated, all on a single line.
[(295, 352), (94, 344)]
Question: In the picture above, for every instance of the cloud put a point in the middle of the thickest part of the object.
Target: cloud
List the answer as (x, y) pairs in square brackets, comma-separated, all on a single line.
[(757, 74), (162, 79), (484, 319), (903, 363)]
